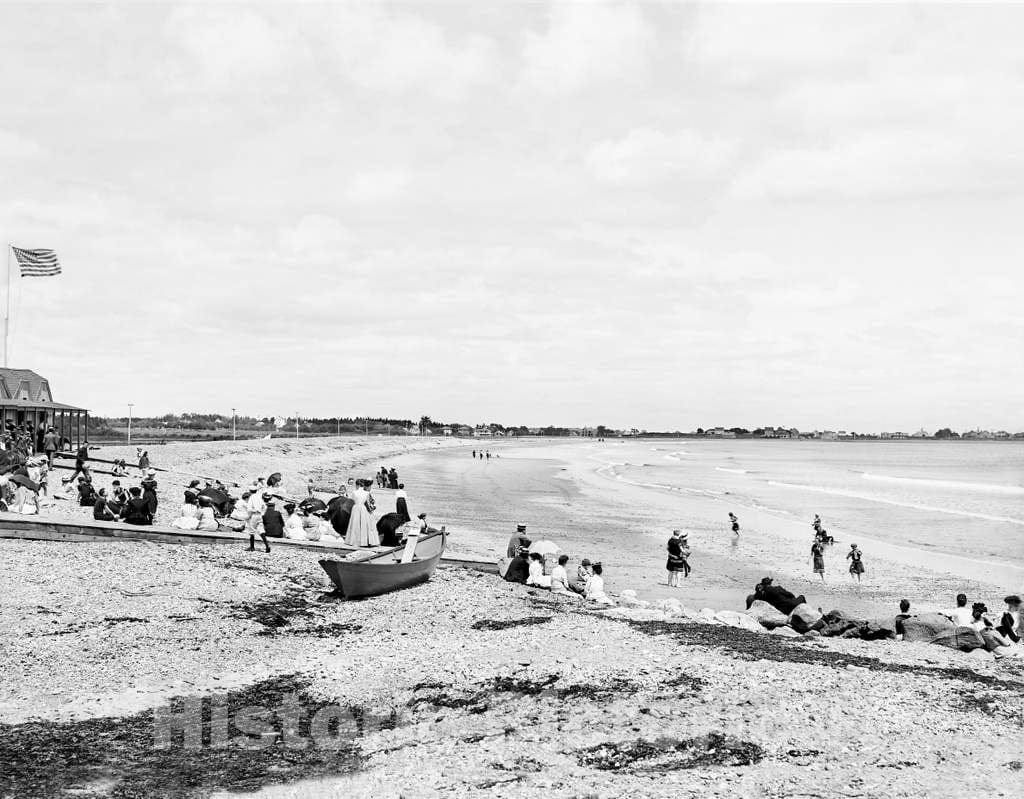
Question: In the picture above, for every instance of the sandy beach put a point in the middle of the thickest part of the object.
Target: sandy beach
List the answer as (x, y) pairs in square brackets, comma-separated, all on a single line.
[(467, 684)]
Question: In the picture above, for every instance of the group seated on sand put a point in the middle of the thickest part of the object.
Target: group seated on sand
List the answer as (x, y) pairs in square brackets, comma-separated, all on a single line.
[(962, 628), (536, 564), (259, 512)]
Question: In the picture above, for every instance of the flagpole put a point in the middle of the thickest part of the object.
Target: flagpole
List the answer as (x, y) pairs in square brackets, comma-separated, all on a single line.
[(7, 318)]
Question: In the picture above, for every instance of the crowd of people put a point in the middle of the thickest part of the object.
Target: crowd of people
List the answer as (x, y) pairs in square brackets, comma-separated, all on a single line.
[(527, 565), (264, 513)]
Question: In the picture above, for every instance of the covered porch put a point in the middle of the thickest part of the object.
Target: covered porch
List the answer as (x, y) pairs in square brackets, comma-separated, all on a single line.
[(69, 422)]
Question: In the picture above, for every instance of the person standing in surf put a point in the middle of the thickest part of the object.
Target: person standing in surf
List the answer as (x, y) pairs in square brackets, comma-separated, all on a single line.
[(818, 558), (676, 562), (734, 522), (856, 561)]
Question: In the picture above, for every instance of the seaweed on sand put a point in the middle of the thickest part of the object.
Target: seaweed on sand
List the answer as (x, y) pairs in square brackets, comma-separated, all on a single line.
[(275, 611), (480, 698), (758, 646), (142, 756), (671, 754), (505, 624)]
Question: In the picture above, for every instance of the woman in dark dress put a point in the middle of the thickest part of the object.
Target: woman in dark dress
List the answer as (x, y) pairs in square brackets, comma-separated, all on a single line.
[(856, 562), (818, 558), (677, 551)]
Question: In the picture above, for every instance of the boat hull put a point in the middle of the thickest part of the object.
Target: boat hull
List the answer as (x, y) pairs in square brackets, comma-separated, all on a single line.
[(357, 579)]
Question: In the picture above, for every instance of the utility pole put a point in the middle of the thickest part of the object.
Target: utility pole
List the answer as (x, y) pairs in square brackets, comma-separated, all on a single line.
[(296, 424), (130, 406), (232, 424), (339, 427), (366, 427)]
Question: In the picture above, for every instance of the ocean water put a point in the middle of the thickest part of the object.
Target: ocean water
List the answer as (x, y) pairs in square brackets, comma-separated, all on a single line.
[(964, 498)]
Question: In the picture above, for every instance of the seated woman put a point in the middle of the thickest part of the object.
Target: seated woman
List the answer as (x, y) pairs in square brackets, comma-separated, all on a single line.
[(119, 469), (188, 517), (293, 524), (239, 514), (536, 575), (207, 518), (560, 579), (136, 510), (100, 511), (310, 526), (27, 501), (86, 492), (594, 590)]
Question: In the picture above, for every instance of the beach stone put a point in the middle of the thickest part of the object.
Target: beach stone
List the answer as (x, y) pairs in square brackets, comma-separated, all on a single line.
[(812, 634), (804, 618), (785, 632), (740, 620), (981, 654), (707, 614), (966, 639), (766, 615), (925, 626), (672, 607), (629, 600)]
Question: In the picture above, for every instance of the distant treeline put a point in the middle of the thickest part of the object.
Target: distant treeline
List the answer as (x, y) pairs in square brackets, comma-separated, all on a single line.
[(206, 425)]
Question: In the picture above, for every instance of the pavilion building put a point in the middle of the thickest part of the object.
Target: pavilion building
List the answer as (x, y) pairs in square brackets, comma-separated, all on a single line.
[(26, 397)]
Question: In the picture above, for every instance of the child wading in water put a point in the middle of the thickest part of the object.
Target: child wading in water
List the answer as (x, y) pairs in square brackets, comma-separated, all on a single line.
[(735, 523), (856, 562)]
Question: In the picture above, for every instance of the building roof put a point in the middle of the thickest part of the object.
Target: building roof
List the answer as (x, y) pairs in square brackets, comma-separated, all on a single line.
[(30, 405), (23, 388)]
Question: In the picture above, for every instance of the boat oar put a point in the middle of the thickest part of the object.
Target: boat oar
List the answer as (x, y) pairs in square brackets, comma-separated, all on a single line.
[(393, 550)]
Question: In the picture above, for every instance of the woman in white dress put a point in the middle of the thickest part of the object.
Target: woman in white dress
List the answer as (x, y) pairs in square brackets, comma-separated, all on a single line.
[(537, 576), (207, 518), (293, 524), (595, 587), (188, 517), (361, 531)]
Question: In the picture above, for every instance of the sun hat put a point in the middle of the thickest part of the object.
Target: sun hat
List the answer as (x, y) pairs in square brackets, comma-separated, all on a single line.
[(267, 496), (151, 472), (1012, 599), (520, 528), (585, 562)]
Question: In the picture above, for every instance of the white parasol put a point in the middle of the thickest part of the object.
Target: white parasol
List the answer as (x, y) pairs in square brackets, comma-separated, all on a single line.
[(545, 547)]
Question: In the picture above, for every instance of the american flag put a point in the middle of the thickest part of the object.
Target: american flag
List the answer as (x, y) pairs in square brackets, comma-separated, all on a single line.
[(36, 263)]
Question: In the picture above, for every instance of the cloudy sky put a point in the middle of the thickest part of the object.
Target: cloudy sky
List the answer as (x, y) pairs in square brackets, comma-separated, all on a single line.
[(646, 215)]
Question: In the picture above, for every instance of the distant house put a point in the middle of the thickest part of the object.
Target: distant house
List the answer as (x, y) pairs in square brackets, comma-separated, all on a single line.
[(26, 397), (829, 435), (446, 431)]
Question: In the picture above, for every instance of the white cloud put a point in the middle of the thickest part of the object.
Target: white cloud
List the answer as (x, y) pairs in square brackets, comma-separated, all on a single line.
[(378, 186), (315, 236), (15, 147), (401, 53), (227, 42), (647, 155), (587, 43)]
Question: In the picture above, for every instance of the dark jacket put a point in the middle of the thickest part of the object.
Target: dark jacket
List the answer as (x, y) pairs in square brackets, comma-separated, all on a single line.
[(136, 511), (149, 494), (101, 512), (273, 523)]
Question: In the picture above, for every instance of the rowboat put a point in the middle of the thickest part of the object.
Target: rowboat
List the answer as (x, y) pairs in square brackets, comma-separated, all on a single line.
[(389, 570)]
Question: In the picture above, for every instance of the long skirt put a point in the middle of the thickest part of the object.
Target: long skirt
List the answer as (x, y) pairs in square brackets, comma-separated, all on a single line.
[(857, 567), (362, 532)]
